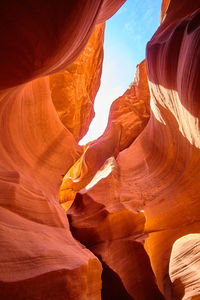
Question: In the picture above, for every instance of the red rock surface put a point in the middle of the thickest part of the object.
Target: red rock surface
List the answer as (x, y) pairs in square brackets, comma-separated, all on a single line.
[(173, 138), (99, 219), (73, 90), (128, 116), (39, 258), (142, 219), (165, 4), (158, 175), (50, 44)]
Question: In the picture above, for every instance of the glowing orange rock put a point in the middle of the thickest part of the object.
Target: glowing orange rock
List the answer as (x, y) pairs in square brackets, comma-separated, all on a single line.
[(131, 111), (39, 258), (165, 4), (53, 42), (128, 116), (158, 175), (98, 219), (151, 194), (73, 90)]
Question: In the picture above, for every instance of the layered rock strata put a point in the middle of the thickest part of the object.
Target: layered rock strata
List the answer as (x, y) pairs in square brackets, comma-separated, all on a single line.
[(157, 176), (39, 257), (128, 116), (142, 218)]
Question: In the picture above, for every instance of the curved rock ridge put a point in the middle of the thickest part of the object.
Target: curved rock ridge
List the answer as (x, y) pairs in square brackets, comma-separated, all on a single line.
[(112, 229), (141, 223), (33, 49), (36, 244), (175, 136), (73, 90), (164, 6), (128, 116), (39, 257), (158, 175), (184, 267)]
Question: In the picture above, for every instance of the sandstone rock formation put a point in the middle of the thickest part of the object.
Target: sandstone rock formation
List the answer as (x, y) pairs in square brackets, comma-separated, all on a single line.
[(157, 177), (102, 217), (164, 7), (39, 257), (136, 212), (173, 137), (73, 90), (128, 117)]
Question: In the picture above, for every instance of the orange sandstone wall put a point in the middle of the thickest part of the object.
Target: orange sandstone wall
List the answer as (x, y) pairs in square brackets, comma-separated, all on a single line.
[(173, 138), (164, 6), (53, 42), (73, 90), (142, 219), (103, 217), (39, 258), (128, 116), (152, 194)]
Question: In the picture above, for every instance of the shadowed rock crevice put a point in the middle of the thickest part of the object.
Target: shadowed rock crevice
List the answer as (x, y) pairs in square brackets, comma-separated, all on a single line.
[(116, 238), (112, 286)]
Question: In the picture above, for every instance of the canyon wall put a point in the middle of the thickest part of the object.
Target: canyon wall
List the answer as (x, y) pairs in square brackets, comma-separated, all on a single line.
[(73, 90), (134, 191), (39, 257), (151, 195)]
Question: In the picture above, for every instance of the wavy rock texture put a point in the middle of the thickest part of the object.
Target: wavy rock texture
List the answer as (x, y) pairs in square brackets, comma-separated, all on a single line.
[(73, 90), (155, 181), (39, 258), (142, 219), (112, 229), (98, 218), (128, 116), (173, 136), (53, 42)]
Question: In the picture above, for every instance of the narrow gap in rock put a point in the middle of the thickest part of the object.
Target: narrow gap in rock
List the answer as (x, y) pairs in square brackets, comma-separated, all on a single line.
[(126, 35)]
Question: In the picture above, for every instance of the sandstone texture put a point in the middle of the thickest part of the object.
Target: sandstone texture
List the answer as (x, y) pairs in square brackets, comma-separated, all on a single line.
[(128, 116), (103, 217), (153, 184), (73, 90), (132, 229), (39, 258)]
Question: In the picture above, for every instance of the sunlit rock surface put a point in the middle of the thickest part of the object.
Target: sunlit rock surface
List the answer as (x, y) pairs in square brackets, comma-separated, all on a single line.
[(136, 212), (158, 175), (112, 229), (184, 267), (164, 7), (173, 137), (73, 90), (128, 116), (39, 258)]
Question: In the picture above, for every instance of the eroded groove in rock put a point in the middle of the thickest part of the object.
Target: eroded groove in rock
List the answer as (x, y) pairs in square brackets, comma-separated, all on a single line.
[(151, 195), (128, 116), (159, 172), (39, 258), (111, 279), (46, 46), (116, 236), (184, 267)]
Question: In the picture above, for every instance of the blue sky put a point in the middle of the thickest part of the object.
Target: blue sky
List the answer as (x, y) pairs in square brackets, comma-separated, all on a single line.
[(126, 35)]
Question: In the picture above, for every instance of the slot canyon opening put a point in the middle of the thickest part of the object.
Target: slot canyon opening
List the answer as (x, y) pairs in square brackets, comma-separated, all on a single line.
[(125, 39), (126, 35), (130, 224)]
